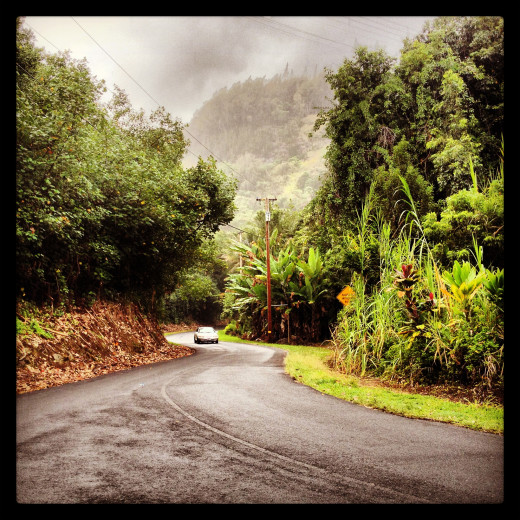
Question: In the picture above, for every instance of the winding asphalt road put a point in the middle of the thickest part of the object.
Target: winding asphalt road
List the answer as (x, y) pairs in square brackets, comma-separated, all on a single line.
[(227, 425)]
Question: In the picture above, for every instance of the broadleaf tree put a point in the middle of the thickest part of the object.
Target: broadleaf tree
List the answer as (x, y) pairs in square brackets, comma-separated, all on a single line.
[(103, 204)]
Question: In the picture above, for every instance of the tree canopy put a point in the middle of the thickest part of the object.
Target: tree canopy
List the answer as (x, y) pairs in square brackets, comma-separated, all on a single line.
[(433, 114), (103, 204)]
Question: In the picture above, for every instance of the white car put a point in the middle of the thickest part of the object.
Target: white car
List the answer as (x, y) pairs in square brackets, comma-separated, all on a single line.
[(205, 335)]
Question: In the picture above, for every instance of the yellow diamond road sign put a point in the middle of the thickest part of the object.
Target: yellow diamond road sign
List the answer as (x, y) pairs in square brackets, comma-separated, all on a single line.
[(346, 295)]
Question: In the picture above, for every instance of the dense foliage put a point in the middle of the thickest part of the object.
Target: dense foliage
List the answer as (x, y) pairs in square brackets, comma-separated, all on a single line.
[(103, 205), (420, 321), (411, 214), (435, 116), (261, 128), (197, 294), (261, 117)]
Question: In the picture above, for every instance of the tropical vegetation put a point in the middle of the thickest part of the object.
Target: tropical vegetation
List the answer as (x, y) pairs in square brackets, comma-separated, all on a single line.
[(408, 212), (410, 216), (295, 287)]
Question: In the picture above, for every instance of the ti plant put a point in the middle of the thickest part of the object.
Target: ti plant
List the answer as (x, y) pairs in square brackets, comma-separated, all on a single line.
[(464, 283), (406, 280), (494, 285)]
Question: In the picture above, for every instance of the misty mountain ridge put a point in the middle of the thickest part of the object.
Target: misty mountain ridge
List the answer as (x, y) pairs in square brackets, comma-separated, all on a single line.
[(260, 129)]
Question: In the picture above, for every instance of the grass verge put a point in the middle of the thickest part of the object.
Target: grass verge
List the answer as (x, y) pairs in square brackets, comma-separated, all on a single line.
[(307, 365)]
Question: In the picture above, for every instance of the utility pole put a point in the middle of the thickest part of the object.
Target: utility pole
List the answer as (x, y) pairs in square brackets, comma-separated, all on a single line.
[(268, 262), (240, 254)]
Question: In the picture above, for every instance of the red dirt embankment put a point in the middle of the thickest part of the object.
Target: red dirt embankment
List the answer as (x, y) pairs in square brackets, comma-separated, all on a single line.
[(87, 342)]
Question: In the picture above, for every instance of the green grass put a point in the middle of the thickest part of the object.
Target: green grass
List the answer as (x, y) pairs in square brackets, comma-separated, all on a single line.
[(307, 365)]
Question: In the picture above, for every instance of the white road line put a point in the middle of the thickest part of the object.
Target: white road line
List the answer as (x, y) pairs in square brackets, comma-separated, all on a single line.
[(282, 457)]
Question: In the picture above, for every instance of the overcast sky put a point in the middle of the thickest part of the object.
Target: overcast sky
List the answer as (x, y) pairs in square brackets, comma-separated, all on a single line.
[(179, 62)]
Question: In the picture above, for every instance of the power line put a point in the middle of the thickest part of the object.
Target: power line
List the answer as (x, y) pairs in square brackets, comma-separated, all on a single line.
[(354, 23), (250, 233), (391, 20), (365, 24), (379, 27), (138, 84), (293, 31), (41, 35), (238, 229), (290, 30)]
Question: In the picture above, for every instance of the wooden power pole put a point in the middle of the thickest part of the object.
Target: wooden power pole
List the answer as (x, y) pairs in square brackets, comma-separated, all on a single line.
[(268, 263)]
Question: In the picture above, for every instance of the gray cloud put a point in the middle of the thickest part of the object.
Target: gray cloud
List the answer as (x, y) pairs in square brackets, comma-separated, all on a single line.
[(182, 61)]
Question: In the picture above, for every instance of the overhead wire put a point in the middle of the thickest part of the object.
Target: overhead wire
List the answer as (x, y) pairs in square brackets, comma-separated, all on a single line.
[(391, 20), (41, 35), (122, 68), (293, 31), (378, 26), (354, 23), (251, 233), (290, 30)]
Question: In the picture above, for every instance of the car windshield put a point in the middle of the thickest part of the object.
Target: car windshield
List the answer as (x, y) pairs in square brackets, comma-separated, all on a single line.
[(206, 329)]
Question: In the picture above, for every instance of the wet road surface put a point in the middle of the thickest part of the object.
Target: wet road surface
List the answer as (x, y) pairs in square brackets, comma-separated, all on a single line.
[(227, 425)]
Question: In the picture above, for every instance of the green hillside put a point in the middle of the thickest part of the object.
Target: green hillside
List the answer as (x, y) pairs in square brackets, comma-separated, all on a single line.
[(262, 132)]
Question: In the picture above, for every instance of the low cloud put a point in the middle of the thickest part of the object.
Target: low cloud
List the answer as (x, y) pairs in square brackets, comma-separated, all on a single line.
[(181, 62)]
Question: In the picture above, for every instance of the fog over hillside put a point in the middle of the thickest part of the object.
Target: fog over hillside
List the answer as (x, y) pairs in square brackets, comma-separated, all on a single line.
[(264, 130), (181, 61), (191, 64)]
